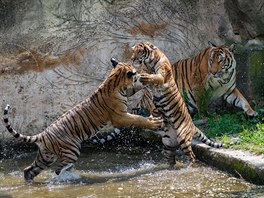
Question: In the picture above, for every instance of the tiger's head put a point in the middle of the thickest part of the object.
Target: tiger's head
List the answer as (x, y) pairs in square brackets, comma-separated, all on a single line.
[(221, 60), (125, 73), (142, 53)]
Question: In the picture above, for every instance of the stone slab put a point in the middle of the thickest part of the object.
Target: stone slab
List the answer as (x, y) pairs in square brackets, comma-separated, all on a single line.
[(243, 164)]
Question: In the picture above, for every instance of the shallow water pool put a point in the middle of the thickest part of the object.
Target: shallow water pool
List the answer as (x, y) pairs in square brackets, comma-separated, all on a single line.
[(137, 172)]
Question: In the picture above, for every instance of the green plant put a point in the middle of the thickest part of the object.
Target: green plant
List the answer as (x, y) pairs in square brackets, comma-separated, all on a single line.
[(237, 130), (253, 138)]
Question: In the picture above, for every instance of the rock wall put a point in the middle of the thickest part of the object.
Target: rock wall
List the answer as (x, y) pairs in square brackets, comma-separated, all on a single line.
[(55, 53)]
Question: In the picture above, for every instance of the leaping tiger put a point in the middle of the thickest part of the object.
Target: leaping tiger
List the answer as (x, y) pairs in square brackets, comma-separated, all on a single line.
[(62, 139), (179, 128)]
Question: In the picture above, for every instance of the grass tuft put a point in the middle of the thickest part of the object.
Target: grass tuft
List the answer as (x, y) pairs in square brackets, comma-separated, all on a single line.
[(237, 131)]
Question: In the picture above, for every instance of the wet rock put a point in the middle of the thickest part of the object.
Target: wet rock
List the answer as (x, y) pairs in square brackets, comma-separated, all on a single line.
[(243, 164)]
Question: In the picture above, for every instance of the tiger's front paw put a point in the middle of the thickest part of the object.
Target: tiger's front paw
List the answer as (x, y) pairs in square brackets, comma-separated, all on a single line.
[(145, 78), (252, 114), (156, 122)]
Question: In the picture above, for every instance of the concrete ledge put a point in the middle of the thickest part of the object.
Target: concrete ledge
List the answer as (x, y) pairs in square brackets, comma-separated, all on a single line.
[(242, 164)]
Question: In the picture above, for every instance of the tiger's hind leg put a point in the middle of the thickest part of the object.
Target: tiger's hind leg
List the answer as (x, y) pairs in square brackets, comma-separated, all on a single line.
[(170, 146), (170, 153), (191, 157), (44, 159), (186, 147), (67, 162)]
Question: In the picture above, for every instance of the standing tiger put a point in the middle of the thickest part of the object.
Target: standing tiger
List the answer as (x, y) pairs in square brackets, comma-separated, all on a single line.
[(179, 128), (62, 139), (212, 71)]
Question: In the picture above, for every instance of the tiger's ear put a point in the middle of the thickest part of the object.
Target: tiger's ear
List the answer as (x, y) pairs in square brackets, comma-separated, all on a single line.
[(153, 47), (131, 73), (114, 62), (149, 44), (232, 47), (211, 44)]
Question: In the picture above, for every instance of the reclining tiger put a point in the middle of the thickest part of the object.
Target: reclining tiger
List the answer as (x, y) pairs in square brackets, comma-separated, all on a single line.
[(62, 139), (212, 71), (179, 127)]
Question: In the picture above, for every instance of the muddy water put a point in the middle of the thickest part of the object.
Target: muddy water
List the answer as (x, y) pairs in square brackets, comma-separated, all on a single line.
[(135, 173)]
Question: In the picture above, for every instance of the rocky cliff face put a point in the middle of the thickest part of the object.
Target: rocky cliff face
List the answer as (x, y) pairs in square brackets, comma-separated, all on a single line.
[(55, 53)]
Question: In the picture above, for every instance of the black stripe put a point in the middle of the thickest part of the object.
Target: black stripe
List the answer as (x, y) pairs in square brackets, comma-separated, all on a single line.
[(92, 124), (229, 90), (192, 65), (210, 86), (95, 102), (182, 74), (42, 159), (71, 150), (200, 57), (16, 135), (68, 148), (50, 139), (184, 148), (182, 142), (189, 103), (9, 128), (192, 96), (69, 122), (157, 99), (211, 144), (83, 123), (169, 99), (76, 130), (39, 166), (234, 102), (169, 148), (177, 115), (172, 106), (186, 72), (174, 69), (182, 121), (26, 139)]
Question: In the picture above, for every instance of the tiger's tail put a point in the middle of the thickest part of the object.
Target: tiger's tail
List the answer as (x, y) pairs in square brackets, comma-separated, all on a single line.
[(106, 137), (200, 135), (29, 139)]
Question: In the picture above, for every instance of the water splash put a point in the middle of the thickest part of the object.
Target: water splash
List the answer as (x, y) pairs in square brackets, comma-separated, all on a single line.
[(67, 175), (125, 174)]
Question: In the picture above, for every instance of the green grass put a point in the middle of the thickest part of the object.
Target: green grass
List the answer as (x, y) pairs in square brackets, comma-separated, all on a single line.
[(253, 138), (237, 131)]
